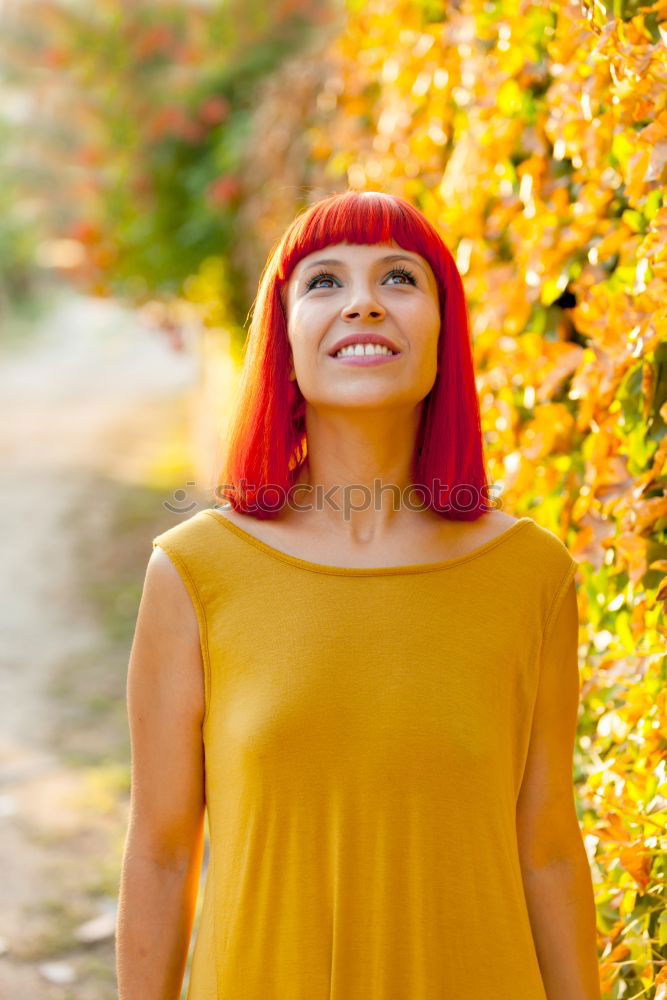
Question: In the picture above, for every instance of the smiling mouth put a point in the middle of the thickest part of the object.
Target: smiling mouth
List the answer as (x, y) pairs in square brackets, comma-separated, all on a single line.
[(364, 351)]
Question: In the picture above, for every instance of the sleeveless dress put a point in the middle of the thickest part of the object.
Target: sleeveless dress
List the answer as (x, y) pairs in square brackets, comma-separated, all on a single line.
[(365, 735)]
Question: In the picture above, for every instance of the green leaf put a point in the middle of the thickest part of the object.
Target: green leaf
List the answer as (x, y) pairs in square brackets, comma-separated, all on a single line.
[(662, 929)]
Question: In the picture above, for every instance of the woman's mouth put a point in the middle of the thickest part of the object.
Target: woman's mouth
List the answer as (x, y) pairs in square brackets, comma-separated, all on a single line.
[(365, 354)]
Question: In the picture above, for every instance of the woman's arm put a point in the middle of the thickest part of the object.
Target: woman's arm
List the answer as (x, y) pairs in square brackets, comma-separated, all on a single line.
[(561, 906), (164, 843), (556, 874)]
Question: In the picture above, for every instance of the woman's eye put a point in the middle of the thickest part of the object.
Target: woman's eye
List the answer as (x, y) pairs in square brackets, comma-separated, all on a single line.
[(406, 274), (403, 271), (319, 277)]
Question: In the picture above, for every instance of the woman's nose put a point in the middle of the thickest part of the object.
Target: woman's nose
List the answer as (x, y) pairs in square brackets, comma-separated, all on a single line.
[(363, 307)]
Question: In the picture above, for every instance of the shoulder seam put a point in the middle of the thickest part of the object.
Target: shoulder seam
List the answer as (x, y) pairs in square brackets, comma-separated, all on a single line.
[(558, 596)]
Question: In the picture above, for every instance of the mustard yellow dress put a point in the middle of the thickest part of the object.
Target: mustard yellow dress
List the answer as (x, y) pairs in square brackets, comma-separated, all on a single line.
[(365, 736)]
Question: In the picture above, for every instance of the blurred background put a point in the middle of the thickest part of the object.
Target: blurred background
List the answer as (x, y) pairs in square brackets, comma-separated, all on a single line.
[(150, 155)]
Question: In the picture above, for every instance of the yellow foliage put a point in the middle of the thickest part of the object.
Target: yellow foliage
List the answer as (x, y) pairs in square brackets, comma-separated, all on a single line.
[(534, 136)]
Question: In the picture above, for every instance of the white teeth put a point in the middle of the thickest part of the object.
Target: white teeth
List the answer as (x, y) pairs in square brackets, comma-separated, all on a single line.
[(357, 349)]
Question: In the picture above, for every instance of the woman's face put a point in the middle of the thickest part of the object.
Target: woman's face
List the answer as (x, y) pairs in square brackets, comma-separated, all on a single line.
[(377, 290)]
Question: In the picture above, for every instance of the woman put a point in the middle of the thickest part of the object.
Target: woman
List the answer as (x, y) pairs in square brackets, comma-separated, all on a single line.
[(363, 671)]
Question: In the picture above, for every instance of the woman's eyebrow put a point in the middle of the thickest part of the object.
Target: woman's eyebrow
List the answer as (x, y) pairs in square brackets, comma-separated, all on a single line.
[(331, 262)]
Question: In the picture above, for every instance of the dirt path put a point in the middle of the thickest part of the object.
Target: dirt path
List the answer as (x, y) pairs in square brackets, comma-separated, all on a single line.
[(90, 400)]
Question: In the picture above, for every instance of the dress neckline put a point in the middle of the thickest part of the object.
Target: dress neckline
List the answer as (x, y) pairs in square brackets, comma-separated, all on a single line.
[(314, 567)]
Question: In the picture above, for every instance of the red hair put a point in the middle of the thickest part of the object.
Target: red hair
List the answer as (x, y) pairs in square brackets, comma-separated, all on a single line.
[(266, 444)]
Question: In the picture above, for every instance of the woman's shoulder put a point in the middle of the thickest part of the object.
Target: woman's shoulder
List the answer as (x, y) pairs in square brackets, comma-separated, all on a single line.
[(544, 546), (192, 546), (550, 567), (185, 530), (548, 543)]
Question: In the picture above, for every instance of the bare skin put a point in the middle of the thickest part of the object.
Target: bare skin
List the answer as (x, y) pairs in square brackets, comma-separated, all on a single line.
[(164, 843), (429, 538), (362, 421)]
